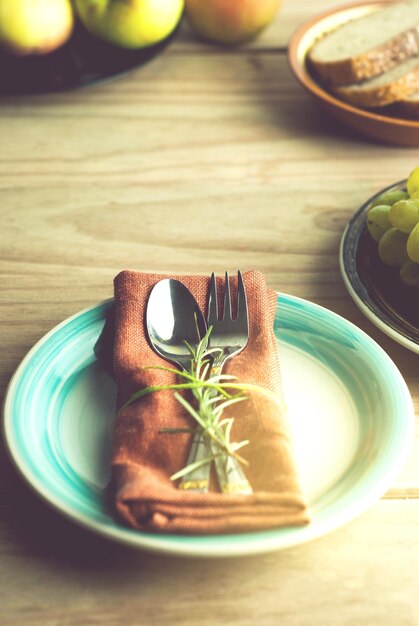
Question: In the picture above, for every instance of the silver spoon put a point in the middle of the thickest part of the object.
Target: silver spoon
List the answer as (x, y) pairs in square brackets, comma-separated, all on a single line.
[(173, 317)]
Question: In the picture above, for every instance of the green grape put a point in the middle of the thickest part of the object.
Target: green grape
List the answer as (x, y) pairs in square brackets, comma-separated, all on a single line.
[(413, 181), (392, 247), (390, 197), (378, 222), (409, 274), (404, 215), (413, 245)]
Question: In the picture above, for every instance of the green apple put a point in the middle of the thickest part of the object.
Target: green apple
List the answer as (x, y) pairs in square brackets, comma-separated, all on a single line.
[(35, 26), (230, 21), (130, 23)]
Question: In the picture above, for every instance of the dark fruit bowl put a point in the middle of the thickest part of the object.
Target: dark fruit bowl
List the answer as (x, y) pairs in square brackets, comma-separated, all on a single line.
[(83, 61), (376, 288)]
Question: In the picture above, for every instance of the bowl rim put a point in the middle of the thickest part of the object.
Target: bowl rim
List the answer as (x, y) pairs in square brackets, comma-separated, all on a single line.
[(303, 76)]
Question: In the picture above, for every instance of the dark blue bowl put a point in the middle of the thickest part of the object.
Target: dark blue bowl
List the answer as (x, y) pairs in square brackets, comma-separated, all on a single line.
[(376, 288), (83, 61)]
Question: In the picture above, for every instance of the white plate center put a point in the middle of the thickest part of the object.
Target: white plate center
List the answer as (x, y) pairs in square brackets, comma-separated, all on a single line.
[(323, 418)]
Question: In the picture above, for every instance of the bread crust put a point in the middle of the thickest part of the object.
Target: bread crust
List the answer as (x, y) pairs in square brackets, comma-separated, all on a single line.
[(381, 95), (369, 64)]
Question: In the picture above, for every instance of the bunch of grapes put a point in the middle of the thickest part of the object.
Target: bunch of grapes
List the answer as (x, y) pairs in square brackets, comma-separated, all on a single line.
[(393, 221)]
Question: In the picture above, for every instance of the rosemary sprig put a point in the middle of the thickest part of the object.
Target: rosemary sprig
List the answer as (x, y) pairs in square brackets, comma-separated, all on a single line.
[(212, 394)]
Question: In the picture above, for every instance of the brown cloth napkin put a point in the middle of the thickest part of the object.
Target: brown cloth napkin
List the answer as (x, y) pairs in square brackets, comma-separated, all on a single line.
[(144, 458)]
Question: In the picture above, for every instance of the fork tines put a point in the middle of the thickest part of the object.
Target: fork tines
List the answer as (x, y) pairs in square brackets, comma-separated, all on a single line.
[(241, 313), (212, 301)]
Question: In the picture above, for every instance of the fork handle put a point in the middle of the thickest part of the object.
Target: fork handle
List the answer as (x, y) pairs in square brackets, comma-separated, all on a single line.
[(231, 478), (198, 479)]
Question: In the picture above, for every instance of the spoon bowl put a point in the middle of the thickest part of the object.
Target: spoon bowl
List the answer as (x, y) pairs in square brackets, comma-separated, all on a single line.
[(173, 317)]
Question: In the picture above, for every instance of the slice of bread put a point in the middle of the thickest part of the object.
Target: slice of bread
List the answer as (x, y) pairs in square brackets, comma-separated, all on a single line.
[(397, 84), (367, 46)]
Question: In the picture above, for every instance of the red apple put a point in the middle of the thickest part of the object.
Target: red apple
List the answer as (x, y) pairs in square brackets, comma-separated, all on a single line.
[(230, 21)]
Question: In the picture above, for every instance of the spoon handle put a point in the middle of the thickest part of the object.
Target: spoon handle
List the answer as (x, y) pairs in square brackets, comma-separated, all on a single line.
[(231, 478)]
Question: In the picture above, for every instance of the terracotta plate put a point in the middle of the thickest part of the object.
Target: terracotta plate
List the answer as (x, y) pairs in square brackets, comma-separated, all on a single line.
[(376, 124)]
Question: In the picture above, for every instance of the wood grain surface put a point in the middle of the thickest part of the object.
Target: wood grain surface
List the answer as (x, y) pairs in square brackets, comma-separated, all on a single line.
[(204, 160)]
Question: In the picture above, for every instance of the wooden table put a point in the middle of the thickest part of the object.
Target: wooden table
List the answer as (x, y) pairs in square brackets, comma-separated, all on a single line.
[(206, 159)]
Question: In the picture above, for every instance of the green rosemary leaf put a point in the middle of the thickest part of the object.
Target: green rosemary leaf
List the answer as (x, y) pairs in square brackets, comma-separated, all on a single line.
[(190, 349), (213, 400), (200, 352), (200, 369), (205, 370), (210, 351), (249, 387), (186, 405), (175, 431), (193, 466), (237, 445), (239, 398), (192, 385), (222, 391), (197, 327), (219, 377), (172, 370), (228, 428)]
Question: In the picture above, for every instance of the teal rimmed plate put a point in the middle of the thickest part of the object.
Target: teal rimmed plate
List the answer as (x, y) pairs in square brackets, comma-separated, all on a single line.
[(350, 411)]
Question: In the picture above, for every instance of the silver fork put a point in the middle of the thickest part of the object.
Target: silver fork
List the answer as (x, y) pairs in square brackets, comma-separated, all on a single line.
[(230, 336)]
